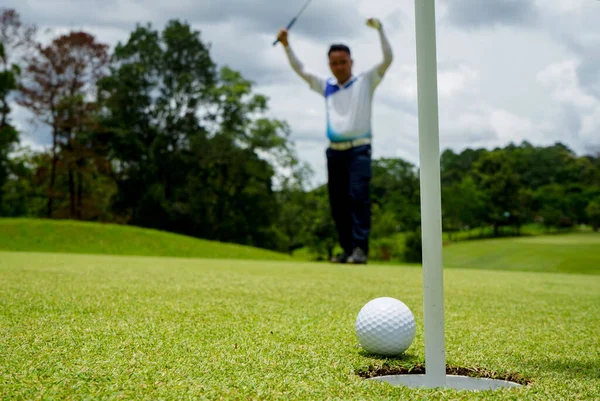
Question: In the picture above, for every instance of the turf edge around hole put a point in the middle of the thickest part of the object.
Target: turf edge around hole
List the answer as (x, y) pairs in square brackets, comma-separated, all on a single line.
[(419, 369)]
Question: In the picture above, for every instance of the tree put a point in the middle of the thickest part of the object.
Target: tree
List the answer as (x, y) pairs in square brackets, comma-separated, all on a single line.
[(454, 167), (295, 209), (321, 235), (193, 149), (593, 212), (462, 205), (549, 204), (541, 166), (395, 190), (15, 38), (61, 79), (24, 193), (413, 247), (501, 188)]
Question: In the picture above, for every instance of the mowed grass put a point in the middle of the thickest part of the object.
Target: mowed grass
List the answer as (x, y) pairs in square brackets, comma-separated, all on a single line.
[(122, 327), (561, 253), (67, 236)]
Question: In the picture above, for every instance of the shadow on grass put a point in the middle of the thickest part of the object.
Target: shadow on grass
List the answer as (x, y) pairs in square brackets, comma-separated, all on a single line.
[(571, 367), (403, 358)]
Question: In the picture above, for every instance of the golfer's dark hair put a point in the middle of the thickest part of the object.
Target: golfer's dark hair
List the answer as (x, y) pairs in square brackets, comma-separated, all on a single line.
[(338, 47)]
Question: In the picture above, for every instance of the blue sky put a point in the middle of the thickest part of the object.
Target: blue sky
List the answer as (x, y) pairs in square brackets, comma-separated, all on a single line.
[(509, 70)]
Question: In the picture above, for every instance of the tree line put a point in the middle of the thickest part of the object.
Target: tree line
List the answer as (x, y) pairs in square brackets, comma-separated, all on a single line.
[(154, 133)]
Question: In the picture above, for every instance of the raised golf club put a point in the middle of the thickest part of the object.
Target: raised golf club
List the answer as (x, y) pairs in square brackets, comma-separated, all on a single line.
[(293, 21)]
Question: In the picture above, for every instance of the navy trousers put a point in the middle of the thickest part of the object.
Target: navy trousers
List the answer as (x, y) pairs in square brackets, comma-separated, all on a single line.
[(349, 180)]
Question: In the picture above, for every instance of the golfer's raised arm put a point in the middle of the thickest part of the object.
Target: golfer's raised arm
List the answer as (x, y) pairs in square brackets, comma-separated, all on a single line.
[(387, 52), (382, 67), (316, 83)]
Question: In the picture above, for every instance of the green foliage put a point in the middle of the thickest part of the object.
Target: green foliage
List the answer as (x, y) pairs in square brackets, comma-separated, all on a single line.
[(413, 248), (550, 201), (593, 213), (502, 189), (320, 235), (200, 156), (454, 167), (395, 192), (390, 248), (9, 136), (23, 194), (463, 205), (8, 83)]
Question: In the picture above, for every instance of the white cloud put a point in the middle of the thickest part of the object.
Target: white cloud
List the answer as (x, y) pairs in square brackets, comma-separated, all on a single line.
[(452, 82), (562, 82), (400, 84), (590, 130), (34, 134), (562, 6), (513, 128)]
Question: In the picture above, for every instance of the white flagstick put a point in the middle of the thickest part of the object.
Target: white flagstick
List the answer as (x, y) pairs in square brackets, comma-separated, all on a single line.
[(431, 214), (431, 221)]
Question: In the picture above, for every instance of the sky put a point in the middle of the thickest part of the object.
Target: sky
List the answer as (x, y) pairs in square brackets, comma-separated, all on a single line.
[(508, 70)]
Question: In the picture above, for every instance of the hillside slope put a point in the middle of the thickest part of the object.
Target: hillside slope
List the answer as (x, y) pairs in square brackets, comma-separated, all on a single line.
[(66, 236)]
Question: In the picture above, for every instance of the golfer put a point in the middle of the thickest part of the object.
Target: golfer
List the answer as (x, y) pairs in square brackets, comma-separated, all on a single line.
[(348, 100)]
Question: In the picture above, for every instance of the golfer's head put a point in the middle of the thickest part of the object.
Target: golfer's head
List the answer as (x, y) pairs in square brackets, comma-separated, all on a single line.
[(340, 61)]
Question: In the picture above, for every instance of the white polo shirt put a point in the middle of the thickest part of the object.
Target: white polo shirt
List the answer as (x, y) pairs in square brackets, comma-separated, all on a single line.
[(348, 106)]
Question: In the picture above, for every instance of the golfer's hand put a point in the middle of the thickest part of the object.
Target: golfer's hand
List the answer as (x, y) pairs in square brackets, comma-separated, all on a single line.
[(283, 37), (374, 23)]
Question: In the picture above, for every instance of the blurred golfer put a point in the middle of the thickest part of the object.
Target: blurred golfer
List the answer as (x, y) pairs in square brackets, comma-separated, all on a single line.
[(348, 100)]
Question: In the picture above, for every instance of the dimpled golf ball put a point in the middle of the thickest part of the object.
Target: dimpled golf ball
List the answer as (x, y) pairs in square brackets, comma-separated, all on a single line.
[(385, 326)]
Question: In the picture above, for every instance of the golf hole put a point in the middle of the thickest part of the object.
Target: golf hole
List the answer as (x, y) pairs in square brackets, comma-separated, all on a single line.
[(461, 378)]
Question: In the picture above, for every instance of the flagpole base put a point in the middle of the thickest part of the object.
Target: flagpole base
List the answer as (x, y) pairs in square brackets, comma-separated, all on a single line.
[(451, 382)]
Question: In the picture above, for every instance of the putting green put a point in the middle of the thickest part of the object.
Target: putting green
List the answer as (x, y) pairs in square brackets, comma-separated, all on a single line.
[(110, 327)]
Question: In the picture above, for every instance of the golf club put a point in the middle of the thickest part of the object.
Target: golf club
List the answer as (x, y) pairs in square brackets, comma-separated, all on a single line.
[(293, 21)]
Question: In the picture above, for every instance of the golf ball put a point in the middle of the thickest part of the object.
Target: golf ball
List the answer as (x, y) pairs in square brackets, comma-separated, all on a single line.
[(385, 326)]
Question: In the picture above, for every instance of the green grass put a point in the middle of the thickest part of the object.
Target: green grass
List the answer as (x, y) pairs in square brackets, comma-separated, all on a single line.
[(394, 244), (564, 253), (525, 230), (67, 236), (121, 322), (123, 327), (575, 252)]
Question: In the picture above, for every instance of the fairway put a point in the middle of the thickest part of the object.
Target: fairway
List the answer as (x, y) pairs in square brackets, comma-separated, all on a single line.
[(114, 327), (565, 253)]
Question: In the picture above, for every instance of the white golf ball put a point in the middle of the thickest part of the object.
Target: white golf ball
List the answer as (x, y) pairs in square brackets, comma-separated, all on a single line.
[(385, 326)]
